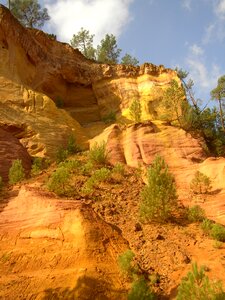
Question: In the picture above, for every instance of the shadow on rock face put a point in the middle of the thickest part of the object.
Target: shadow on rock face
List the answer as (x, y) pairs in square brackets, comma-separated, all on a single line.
[(87, 288)]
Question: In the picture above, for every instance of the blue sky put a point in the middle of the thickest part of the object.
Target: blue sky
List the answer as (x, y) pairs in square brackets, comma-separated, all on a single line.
[(186, 33)]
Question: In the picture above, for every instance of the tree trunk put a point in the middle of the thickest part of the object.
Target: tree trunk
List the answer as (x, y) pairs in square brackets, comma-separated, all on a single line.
[(221, 114)]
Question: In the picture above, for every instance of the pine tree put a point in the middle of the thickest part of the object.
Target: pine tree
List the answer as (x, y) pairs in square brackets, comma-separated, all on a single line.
[(107, 51)]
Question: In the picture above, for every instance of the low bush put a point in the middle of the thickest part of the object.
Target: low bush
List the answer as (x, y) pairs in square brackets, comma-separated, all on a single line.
[(59, 182), (16, 172), (140, 291), (196, 285), (195, 214), (200, 184), (98, 154), (61, 155), (218, 232), (119, 169), (125, 262), (71, 165), (159, 197), (37, 166), (207, 226), (135, 111), (72, 147)]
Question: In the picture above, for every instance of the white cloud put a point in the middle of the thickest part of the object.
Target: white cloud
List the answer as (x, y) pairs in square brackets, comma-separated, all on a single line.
[(204, 76), (220, 9), (196, 50), (187, 4), (97, 16)]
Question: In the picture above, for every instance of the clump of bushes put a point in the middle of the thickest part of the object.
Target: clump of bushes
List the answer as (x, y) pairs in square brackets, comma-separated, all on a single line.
[(159, 197), (37, 166), (118, 172), (16, 172), (200, 184), (71, 148), (140, 290), (195, 214), (125, 262), (98, 154), (216, 231), (206, 226), (196, 285)]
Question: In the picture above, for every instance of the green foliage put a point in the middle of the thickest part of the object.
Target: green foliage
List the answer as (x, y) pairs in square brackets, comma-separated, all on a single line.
[(59, 181), (16, 172), (100, 175), (218, 232), (135, 111), (159, 196), (98, 154), (37, 165), (207, 226), (61, 155), (71, 165), (109, 118), (59, 102), (196, 214), (83, 40), (140, 291), (219, 94), (200, 184), (196, 285), (127, 59), (87, 168), (119, 168), (172, 102), (125, 262), (107, 51), (29, 13), (72, 147)]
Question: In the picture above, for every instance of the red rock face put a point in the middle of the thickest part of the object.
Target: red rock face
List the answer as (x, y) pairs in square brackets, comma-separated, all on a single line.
[(11, 149)]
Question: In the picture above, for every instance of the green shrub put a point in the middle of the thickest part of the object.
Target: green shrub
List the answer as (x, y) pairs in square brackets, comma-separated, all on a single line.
[(207, 226), (71, 165), (135, 111), (119, 168), (218, 232), (109, 118), (87, 168), (125, 262), (98, 154), (196, 285), (100, 175), (140, 291), (16, 172), (59, 181), (72, 147), (37, 165), (61, 155), (200, 184), (195, 213), (159, 196)]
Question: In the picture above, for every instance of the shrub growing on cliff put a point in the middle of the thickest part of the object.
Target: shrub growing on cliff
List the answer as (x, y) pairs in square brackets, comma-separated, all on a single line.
[(200, 184), (135, 111), (159, 196), (16, 172), (98, 154), (125, 262), (218, 232), (196, 285), (140, 290), (59, 181)]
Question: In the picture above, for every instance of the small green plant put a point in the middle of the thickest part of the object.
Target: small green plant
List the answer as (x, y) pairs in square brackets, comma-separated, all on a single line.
[(119, 168), (59, 181), (37, 166), (196, 285), (200, 184), (16, 172), (98, 154), (72, 147), (218, 245), (159, 197), (196, 214), (59, 102), (87, 168), (218, 232), (135, 111), (125, 262), (207, 226), (61, 155), (71, 165), (140, 290), (109, 118)]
